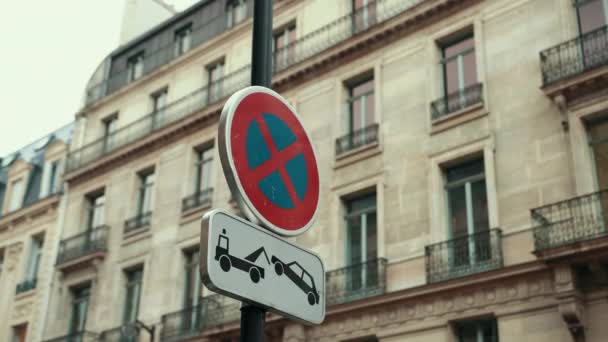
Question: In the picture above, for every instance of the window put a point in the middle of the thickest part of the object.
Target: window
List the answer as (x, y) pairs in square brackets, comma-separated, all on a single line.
[(33, 262), (360, 104), (592, 15), (146, 187), (183, 40), (50, 180), (109, 128), (159, 101), (95, 210), (19, 333), (284, 48), (80, 305), (468, 212), (16, 195), (361, 241), (204, 161), (135, 67), (133, 293), (477, 331), (236, 11), (459, 64), (364, 14), (215, 74), (598, 140), (192, 284)]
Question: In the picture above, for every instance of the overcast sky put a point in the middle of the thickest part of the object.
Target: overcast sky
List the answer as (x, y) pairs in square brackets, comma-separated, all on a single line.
[(49, 51)]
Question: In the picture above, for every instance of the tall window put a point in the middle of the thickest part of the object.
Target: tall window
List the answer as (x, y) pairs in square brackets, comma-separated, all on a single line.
[(215, 74), (133, 293), (468, 212), (598, 140), (135, 66), (592, 15), (33, 262), (159, 101), (204, 161), (109, 129), (361, 104), (146, 188), (53, 177), (236, 11), (477, 331), (19, 333), (459, 64), (192, 291), (361, 240), (183, 40), (364, 14), (95, 210), (80, 305), (16, 195), (284, 48)]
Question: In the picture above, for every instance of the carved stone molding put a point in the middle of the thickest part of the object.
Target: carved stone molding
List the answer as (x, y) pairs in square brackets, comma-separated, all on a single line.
[(13, 252)]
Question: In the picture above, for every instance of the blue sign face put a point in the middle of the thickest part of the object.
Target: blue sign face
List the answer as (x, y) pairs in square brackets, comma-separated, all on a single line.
[(277, 161)]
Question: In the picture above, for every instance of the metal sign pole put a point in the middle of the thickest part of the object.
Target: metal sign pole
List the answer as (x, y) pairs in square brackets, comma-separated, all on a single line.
[(253, 317)]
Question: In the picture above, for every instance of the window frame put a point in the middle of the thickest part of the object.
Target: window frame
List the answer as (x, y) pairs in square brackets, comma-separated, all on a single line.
[(157, 109), (446, 44), (135, 63), (350, 85), (17, 199), (92, 207), (143, 187), (579, 21), (77, 299), (199, 165), (110, 127), (181, 35), (131, 305), (232, 6), (215, 86), (34, 257), (288, 49)]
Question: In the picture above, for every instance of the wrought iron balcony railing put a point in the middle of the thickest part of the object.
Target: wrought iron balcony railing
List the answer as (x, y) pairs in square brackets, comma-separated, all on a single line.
[(573, 57), (91, 241), (154, 121), (26, 285), (198, 199), (356, 282), (462, 256), (124, 333), (191, 321), (356, 139), (139, 221), (83, 336), (573, 220), (454, 102)]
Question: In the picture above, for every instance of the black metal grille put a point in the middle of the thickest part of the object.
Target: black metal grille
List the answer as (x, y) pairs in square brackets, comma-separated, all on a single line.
[(139, 221), (356, 282), (356, 139), (94, 240), (83, 336), (573, 220), (456, 101), (464, 256), (26, 285), (198, 199), (575, 56), (124, 333)]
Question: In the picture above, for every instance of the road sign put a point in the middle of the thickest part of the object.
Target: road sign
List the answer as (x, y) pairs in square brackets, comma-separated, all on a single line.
[(246, 262), (269, 161)]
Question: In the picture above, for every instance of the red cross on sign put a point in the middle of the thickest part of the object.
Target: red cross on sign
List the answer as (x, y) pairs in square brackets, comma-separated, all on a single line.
[(269, 161)]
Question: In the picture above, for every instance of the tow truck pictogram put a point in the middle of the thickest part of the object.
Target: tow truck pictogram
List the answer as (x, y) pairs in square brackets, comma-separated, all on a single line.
[(228, 261)]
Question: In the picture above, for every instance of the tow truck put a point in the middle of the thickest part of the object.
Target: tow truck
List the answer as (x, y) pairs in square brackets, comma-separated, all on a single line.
[(227, 261)]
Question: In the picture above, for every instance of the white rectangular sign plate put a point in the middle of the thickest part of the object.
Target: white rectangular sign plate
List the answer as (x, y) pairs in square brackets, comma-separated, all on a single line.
[(248, 263)]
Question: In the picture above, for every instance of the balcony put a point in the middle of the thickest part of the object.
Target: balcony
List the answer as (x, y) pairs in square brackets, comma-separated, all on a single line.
[(191, 321), (26, 285), (463, 256), (356, 282), (574, 221), (124, 333), (357, 139), (83, 336), (80, 250), (200, 198), (140, 221), (575, 62), (456, 102)]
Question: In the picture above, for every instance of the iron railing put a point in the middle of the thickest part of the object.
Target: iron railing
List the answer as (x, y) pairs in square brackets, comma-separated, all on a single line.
[(139, 221), (124, 333), (26, 285), (155, 59), (189, 322), (456, 101), (573, 220), (462, 256), (83, 336), (198, 199), (356, 282), (91, 241), (575, 56), (356, 139), (156, 120)]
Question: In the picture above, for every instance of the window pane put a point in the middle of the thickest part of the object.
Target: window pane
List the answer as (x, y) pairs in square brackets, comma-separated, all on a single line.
[(468, 333), (372, 236), (458, 211), (354, 240), (465, 170), (454, 49), (16, 195), (592, 15), (356, 111), (452, 79), (470, 69), (362, 88), (369, 109), (480, 206), (598, 134)]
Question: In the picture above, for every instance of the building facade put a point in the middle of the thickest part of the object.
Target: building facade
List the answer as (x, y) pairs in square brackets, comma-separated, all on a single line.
[(30, 201), (461, 151)]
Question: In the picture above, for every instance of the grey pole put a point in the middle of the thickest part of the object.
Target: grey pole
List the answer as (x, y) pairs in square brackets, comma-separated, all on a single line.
[(253, 317)]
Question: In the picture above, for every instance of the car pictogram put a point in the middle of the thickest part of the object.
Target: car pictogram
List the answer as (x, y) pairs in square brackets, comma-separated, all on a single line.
[(227, 261), (299, 276)]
